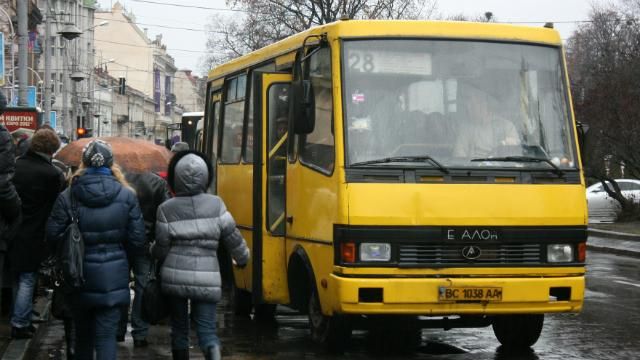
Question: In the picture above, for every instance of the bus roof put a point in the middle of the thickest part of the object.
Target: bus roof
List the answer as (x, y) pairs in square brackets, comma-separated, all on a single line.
[(193, 114), (395, 28)]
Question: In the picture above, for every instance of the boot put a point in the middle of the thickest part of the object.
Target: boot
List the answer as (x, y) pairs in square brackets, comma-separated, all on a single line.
[(70, 338), (180, 354), (213, 353)]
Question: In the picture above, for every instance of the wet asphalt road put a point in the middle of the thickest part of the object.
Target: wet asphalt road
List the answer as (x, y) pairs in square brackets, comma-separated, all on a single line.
[(608, 328)]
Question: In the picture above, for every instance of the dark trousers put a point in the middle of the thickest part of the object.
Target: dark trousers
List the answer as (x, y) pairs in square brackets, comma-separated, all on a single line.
[(96, 331)]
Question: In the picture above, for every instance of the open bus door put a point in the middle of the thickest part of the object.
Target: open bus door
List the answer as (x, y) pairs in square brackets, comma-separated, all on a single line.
[(269, 248)]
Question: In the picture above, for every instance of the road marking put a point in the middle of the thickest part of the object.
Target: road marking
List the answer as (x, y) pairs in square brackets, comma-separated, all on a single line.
[(627, 283)]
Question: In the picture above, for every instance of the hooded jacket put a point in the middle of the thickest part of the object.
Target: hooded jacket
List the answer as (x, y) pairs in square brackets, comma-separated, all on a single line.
[(189, 228), (111, 225)]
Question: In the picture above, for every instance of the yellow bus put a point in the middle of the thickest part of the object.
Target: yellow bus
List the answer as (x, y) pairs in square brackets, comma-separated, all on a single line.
[(406, 174)]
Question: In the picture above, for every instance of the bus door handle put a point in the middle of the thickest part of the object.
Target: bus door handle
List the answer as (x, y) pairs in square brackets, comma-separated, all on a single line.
[(290, 219)]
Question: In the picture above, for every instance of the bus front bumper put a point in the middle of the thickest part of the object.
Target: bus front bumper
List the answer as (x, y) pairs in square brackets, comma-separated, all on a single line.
[(422, 296)]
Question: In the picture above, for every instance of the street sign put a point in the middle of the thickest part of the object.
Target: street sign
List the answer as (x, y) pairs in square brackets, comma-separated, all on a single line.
[(53, 119), (15, 118), (31, 97), (2, 58)]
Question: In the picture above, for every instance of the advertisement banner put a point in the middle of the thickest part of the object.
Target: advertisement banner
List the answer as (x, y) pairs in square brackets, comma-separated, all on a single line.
[(167, 91), (2, 58), (156, 89), (53, 119), (16, 118)]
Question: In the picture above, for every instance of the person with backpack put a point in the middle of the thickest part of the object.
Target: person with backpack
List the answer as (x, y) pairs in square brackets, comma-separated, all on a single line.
[(112, 228), (189, 229)]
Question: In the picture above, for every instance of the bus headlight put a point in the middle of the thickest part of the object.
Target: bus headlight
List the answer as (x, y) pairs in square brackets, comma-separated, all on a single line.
[(557, 253), (375, 252)]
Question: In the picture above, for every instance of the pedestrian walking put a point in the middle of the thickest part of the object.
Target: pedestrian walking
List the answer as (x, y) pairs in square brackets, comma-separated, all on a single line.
[(10, 204), (38, 183), (189, 228), (151, 190), (111, 225)]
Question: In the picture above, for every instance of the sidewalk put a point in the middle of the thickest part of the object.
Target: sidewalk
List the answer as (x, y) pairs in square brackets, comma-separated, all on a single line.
[(18, 349), (616, 242)]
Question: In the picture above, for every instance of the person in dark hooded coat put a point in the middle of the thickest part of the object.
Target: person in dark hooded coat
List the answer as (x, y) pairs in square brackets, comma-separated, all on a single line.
[(112, 228), (189, 229)]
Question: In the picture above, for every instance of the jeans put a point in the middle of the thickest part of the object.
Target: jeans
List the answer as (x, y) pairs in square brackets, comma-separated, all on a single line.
[(204, 315), (23, 289), (139, 328), (96, 330)]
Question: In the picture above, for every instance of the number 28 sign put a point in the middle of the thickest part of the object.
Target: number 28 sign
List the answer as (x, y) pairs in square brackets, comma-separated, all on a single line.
[(389, 62)]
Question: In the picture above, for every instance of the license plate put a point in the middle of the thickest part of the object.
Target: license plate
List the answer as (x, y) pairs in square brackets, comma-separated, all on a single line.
[(469, 293)]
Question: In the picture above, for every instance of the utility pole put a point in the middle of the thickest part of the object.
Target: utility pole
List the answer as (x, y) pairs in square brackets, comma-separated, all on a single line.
[(47, 64), (22, 9)]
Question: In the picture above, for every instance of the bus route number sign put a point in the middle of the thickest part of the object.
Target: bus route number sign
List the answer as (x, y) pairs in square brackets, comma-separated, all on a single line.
[(469, 293)]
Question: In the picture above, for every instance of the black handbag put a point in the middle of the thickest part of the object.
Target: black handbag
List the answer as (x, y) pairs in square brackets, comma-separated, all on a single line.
[(154, 303), (71, 251)]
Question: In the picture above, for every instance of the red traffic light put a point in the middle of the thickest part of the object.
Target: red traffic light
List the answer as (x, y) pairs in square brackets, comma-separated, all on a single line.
[(81, 132)]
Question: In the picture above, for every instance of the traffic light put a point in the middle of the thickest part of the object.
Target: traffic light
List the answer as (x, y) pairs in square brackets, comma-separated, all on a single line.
[(122, 86), (81, 132)]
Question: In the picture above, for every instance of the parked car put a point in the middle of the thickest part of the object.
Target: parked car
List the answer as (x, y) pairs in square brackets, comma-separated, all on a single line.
[(602, 207)]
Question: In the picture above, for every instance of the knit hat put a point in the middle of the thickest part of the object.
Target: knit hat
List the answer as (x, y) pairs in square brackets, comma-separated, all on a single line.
[(179, 146), (97, 153)]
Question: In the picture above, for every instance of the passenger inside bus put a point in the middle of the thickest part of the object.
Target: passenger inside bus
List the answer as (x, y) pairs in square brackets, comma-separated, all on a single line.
[(483, 133)]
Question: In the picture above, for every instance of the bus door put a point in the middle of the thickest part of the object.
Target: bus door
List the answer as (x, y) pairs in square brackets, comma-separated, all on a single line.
[(270, 252)]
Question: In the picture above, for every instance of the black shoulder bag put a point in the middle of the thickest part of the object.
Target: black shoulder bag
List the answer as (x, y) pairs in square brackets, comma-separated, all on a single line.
[(71, 251), (154, 304)]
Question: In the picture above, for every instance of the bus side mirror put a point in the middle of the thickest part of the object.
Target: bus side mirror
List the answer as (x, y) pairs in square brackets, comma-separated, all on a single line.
[(583, 129), (302, 105), (167, 144)]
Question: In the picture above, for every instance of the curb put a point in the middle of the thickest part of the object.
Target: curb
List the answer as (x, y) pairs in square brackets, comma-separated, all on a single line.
[(19, 349), (613, 250), (613, 234)]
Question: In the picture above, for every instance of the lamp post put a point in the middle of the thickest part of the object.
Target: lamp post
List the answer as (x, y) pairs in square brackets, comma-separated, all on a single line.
[(13, 36), (70, 32)]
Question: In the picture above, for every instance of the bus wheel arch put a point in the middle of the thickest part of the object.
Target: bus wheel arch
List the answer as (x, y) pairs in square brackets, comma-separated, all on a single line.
[(300, 279), (333, 332)]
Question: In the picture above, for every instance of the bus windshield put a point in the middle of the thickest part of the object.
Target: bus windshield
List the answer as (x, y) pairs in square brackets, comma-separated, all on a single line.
[(461, 103)]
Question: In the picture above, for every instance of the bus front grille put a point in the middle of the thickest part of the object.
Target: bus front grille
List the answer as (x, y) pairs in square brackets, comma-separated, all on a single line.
[(421, 254)]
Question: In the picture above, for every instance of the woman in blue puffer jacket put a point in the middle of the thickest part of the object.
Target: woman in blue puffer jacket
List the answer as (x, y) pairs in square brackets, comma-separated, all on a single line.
[(112, 228)]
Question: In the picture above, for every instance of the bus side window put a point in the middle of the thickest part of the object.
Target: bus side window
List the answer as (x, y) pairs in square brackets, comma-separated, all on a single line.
[(233, 121), (318, 148)]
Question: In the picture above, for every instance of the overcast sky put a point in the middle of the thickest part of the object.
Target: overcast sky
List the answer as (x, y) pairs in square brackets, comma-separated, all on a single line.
[(187, 47)]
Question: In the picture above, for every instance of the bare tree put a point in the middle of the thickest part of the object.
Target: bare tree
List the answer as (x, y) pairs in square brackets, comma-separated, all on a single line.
[(604, 65), (266, 21)]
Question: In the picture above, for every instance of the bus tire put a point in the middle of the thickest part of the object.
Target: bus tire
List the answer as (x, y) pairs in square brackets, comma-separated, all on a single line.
[(518, 332), (242, 303), (333, 332)]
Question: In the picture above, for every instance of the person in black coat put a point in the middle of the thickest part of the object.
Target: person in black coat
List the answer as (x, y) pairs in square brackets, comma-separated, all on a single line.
[(151, 190), (112, 230), (10, 205), (38, 183)]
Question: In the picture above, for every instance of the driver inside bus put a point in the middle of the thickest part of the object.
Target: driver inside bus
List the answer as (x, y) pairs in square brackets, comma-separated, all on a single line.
[(483, 132)]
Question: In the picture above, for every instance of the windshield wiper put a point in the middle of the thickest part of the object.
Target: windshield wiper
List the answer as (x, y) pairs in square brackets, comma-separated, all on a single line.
[(524, 159), (421, 158)]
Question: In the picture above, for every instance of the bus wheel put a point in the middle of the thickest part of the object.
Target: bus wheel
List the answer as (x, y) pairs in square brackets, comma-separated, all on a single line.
[(241, 301), (334, 332), (518, 331)]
